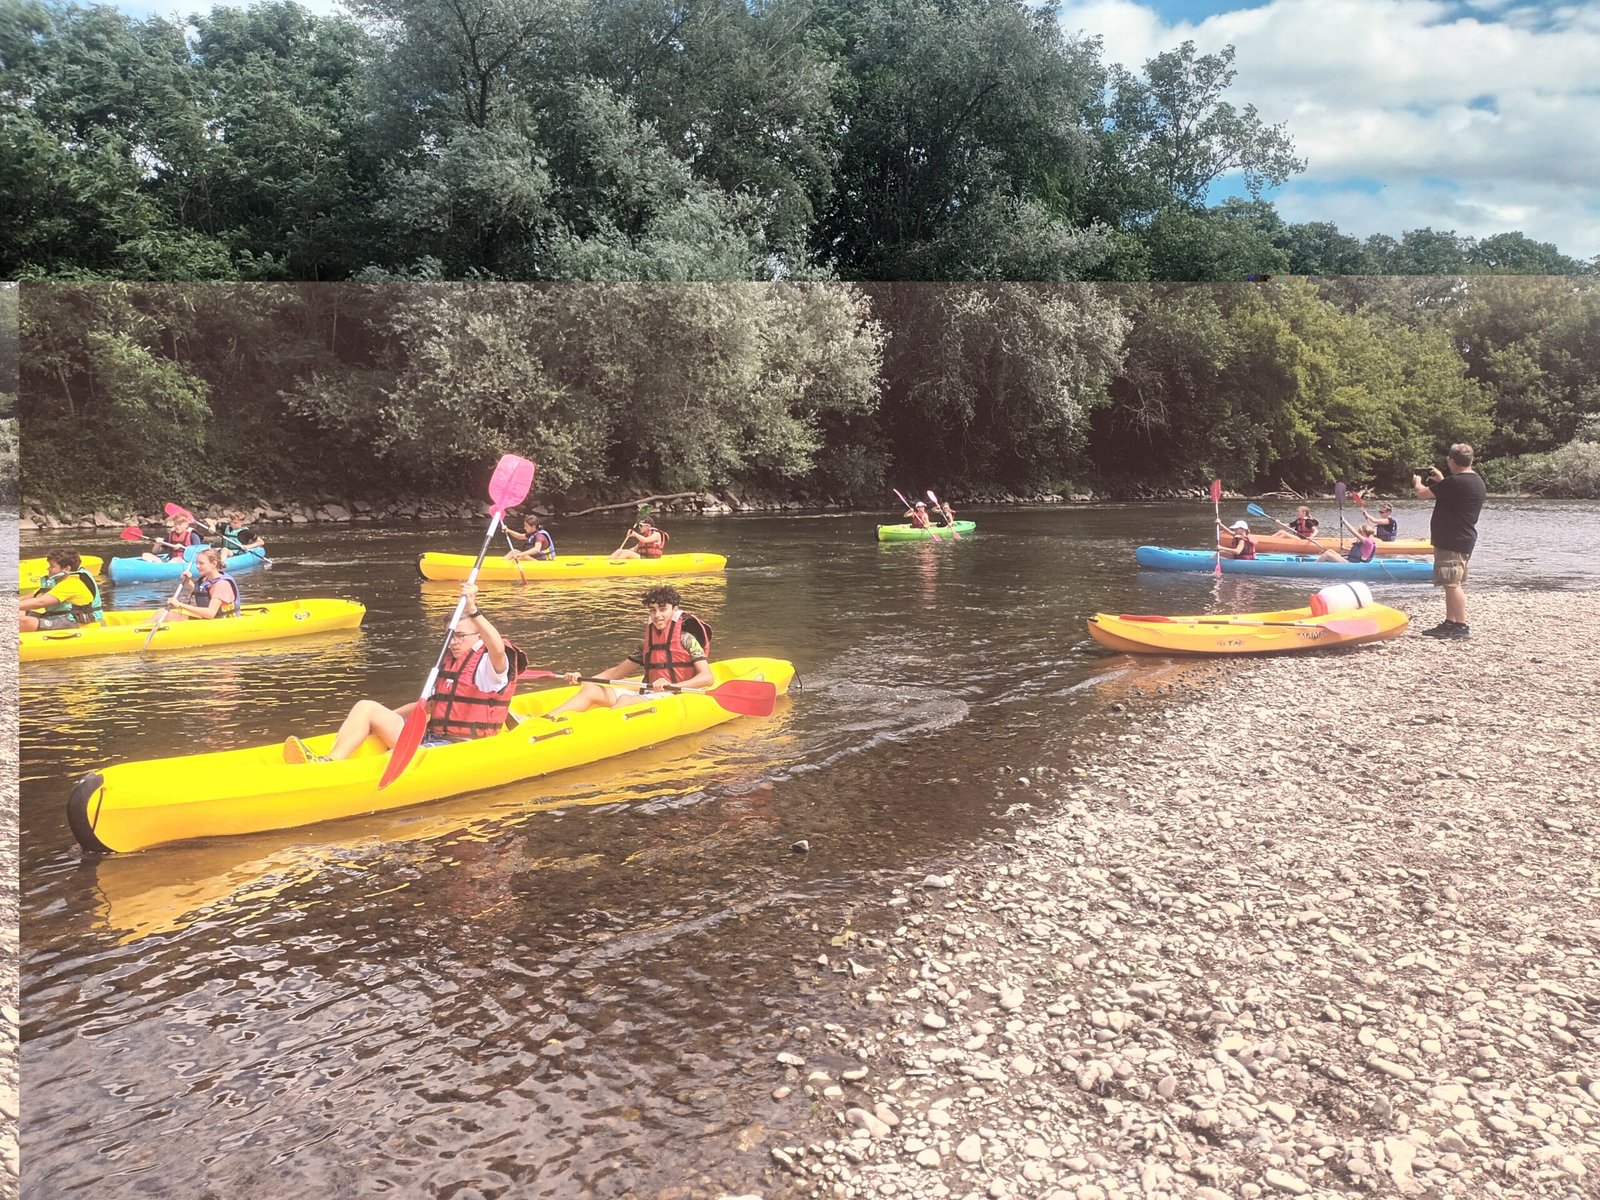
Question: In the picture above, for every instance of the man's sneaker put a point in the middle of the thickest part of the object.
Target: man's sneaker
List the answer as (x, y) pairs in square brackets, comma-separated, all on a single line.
[(295, 752), (1448, 629)]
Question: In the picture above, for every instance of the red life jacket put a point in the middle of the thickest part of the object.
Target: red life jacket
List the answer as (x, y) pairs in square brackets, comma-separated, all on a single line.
[(919, 519), (1246, 544), (1304, 526), (654, 551), (664, 655), (459, 709)]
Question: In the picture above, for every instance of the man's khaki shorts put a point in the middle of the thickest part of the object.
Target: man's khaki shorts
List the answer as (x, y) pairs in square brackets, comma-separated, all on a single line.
[(1450, 568)]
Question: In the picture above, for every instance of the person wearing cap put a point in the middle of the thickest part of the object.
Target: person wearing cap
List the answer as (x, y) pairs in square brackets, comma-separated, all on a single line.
[(1386, 526), (477, 679), (649, 542), (1244, 546), (917, 514)]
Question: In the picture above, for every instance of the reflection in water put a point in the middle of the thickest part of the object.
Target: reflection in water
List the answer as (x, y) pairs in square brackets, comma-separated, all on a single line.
[(574, 986)]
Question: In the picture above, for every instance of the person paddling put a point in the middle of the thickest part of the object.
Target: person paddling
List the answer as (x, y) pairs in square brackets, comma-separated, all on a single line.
[(1363, 549), (66, 597), (1244, 545), (214, 594), (917, 514), (1386, 526), (650, 541), (536, 541), (179, 537), (1304, 523), (237, 535), (477, 680), (675, 650)]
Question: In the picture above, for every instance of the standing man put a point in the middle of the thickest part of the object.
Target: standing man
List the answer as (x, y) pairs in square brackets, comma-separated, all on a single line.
[(1458, 499)]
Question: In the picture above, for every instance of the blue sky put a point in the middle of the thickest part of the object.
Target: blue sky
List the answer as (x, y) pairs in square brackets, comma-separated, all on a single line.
[(1478, 116)]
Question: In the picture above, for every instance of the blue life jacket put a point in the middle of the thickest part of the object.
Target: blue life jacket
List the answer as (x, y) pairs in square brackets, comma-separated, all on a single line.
[(202, 594)]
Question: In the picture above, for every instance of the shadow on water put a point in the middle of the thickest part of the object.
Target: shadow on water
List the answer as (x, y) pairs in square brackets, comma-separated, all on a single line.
[(573, 986)]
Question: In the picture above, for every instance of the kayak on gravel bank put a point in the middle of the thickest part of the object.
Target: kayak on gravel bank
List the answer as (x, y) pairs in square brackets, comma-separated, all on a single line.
[(1247, 633), (910, 533), (31, 570), (1306, 566), (139, 570), (127, 630), (452, 567), (135, 805)]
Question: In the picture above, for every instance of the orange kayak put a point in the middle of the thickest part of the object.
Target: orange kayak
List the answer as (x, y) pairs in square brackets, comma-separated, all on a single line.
[(1288, 543)]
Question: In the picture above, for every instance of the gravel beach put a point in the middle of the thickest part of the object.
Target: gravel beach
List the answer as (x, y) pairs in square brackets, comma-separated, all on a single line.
[(9, 1074), (1297, 926)]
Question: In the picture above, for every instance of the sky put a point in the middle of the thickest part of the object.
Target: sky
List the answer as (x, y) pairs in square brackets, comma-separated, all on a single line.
[(1472, 116)]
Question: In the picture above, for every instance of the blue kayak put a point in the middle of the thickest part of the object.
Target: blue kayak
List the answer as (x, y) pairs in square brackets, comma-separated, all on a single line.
[(1379, 570), (137, 570)]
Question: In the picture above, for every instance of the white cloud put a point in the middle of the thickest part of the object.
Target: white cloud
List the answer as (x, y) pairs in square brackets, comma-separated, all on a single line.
[(1499, 98)]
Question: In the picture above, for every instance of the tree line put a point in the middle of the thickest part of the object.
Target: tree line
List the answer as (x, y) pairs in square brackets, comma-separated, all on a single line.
[(816, 390), (610, 140)]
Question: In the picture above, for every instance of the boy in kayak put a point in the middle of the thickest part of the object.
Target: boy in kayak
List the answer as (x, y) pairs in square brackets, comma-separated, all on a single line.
[(536, 542), (650, 540), (1244, 546), (477, 680), (66, 598), (215, 594), (179, 537), (1363, 549), (1386, 526), (236, 534), (673, 651)]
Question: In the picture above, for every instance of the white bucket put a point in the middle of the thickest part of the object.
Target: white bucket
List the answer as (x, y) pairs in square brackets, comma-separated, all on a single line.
[(1341, 597)]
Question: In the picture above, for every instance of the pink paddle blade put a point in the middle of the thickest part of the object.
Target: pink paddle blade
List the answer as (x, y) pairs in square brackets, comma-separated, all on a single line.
[(509, 484), (1216, 491)]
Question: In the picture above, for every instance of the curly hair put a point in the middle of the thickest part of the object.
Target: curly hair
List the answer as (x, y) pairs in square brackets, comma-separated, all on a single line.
[(663, 594)]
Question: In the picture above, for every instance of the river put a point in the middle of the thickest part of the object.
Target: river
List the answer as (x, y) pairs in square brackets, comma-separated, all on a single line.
[(575, 986)]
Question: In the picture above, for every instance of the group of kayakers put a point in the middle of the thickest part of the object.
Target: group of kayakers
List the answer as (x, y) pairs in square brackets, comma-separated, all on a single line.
[(940, 516), (232, 528), (1236, 541), (644, 539), (479, 672)]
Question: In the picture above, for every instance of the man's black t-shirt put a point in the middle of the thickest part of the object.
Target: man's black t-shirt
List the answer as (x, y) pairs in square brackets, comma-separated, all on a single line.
[(1458, 499)]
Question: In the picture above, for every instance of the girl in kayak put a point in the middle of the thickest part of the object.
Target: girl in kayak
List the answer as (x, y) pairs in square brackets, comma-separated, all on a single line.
[(211, 594), (1244, 546), (536, 542), (1363, 549), (1387, 527), (477, 680), (917, 514), (650, 540), (674, 650), (1304, 523)]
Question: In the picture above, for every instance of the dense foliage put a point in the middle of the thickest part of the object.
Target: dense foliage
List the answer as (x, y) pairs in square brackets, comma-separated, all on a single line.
[(609, 140), (819, 390)]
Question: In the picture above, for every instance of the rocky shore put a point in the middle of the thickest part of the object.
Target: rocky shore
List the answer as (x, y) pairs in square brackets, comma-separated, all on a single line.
[(1296, 926)]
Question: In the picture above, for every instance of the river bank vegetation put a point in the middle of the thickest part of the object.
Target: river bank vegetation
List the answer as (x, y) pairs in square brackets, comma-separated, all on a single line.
[(821, 391), (702, 140)]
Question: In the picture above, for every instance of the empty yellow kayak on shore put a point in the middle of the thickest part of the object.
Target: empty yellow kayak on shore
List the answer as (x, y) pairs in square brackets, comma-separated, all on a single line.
[(1246, 633), (125, 631), (31, 570), (135, 805), (567, 566)]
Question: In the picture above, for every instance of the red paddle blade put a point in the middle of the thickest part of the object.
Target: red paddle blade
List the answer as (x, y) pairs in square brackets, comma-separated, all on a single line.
[(1216, 491), (747, 697), (133, 534), (509, 484), (406, 748), (177, 510), (1351, 628)]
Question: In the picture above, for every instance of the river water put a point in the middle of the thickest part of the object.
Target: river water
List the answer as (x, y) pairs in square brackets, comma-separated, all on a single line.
[(575, 986)]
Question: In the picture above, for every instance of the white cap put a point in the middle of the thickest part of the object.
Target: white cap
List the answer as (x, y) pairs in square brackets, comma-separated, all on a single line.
[(1244, 525)]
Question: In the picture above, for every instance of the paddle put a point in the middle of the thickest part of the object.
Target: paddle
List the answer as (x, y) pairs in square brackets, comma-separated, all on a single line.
[(1339, 494), (1216, 507), (747, 697), (161, 616), (1255, 510), (912, 508), (134, 534), (947, 516), (520, 573), (1343, 627), (178, 510), (508, 485)]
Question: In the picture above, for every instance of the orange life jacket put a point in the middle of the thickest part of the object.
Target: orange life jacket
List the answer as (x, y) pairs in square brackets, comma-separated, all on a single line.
[(458, 708)]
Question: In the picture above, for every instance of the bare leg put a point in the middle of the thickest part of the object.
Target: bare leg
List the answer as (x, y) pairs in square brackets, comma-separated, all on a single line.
[(27, 623), (367, 718), (590, 695), (619, 555), (1455, 603)]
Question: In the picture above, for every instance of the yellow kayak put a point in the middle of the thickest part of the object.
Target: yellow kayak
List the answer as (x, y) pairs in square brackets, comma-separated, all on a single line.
[(1246, 633), (31, 570), (135, 805), (125, 630), (567, 566)]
